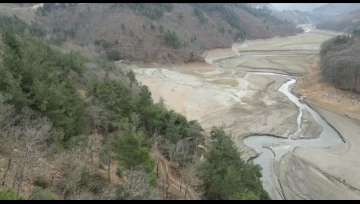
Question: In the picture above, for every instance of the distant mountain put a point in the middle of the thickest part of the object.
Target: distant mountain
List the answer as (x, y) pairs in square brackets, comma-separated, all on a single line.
[(294, 16), (163, 32), (332, 10), (344, 23), (297, 6), (258, 5)]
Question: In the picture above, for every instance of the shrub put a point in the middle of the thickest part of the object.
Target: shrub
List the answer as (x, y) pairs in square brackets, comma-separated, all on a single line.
[(172, 40), (153, 11), (131, 154), (152, 26), (113, 55), (9, 194), (57, 40), (161, 29), (191, 56), (200, 14), (39, 193), (105, 44), (101, 166), (71, 32), (97, 184), (180, 16), (119, 172), (221, 29), (41, 182)]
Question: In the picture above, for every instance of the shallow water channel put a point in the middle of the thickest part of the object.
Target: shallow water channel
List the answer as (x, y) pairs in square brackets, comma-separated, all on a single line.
[(271, 148)]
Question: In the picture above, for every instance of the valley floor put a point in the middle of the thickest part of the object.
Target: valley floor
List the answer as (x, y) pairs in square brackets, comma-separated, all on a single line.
[(226, 92)]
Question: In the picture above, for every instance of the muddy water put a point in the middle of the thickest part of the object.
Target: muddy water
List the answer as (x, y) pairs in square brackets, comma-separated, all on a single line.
[(272, 148)]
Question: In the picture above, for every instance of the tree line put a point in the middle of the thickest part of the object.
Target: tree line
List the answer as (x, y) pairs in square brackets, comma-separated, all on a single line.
[(339, 61)]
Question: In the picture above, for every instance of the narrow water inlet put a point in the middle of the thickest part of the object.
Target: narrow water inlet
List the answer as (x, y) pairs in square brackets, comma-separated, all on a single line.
[(273, 148)]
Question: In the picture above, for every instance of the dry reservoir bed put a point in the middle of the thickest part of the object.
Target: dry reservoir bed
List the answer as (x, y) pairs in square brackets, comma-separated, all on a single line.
[(226, 92)]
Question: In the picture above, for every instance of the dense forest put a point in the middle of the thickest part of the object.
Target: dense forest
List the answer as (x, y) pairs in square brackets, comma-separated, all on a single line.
[(339, 61), (65, 119)]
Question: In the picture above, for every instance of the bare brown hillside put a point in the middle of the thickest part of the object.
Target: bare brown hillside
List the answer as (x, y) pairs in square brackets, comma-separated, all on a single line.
[(139, 32)]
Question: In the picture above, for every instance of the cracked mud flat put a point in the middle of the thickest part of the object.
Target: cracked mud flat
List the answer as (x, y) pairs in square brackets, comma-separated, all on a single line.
[(255, 106)]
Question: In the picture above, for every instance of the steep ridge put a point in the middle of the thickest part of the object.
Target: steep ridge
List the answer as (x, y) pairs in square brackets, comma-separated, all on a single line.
[(156, 32)]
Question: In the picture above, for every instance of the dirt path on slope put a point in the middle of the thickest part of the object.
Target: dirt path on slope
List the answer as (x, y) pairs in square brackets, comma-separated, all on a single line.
[(171, 183), (166, 176)]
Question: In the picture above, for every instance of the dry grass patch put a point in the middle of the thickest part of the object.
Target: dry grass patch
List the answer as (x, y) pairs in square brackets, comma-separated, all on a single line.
[(278, 43), (254, 101), (240, 110), (230, 82), (261, 63), (190, 72), (224, 74), (298, 59)]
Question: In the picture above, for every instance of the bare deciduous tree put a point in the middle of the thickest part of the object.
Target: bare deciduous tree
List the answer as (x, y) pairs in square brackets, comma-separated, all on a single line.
[(23, 135), (136, 187), (9, 134), (73, 182), (84, 149), (71, 168), (35, 133), (191, 175), (97, 114)]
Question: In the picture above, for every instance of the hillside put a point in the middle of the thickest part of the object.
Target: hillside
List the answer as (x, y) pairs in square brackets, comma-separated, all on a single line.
[(297, 6), (295, 17), (155, 32), (333, 10), (73, 127), (339, 62), (344, 23)]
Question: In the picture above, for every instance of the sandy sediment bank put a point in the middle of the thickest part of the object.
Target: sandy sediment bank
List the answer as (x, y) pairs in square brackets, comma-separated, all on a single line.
[(309, 128)]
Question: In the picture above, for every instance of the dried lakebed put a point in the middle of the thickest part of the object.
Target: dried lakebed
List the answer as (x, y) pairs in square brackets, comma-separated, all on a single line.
[(272, 148), (225, 90)]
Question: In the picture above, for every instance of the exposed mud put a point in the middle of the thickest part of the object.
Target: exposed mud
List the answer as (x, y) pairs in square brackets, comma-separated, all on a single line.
[(309, 127), (254, 105)]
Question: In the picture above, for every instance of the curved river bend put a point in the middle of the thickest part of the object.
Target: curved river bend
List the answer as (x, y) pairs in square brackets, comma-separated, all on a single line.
[(272, 148)]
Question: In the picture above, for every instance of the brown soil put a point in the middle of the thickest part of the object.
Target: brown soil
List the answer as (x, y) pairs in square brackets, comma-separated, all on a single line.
[(171, 181), (317, 91), (82, 93)]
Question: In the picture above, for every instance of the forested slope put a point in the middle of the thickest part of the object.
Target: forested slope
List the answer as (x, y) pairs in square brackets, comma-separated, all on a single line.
[(333, 10), (344, 23), (162, 32), (339, 61), (67, 121)]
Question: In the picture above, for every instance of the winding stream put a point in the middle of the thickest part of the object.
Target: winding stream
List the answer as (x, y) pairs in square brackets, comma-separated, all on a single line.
[(272, 148)]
